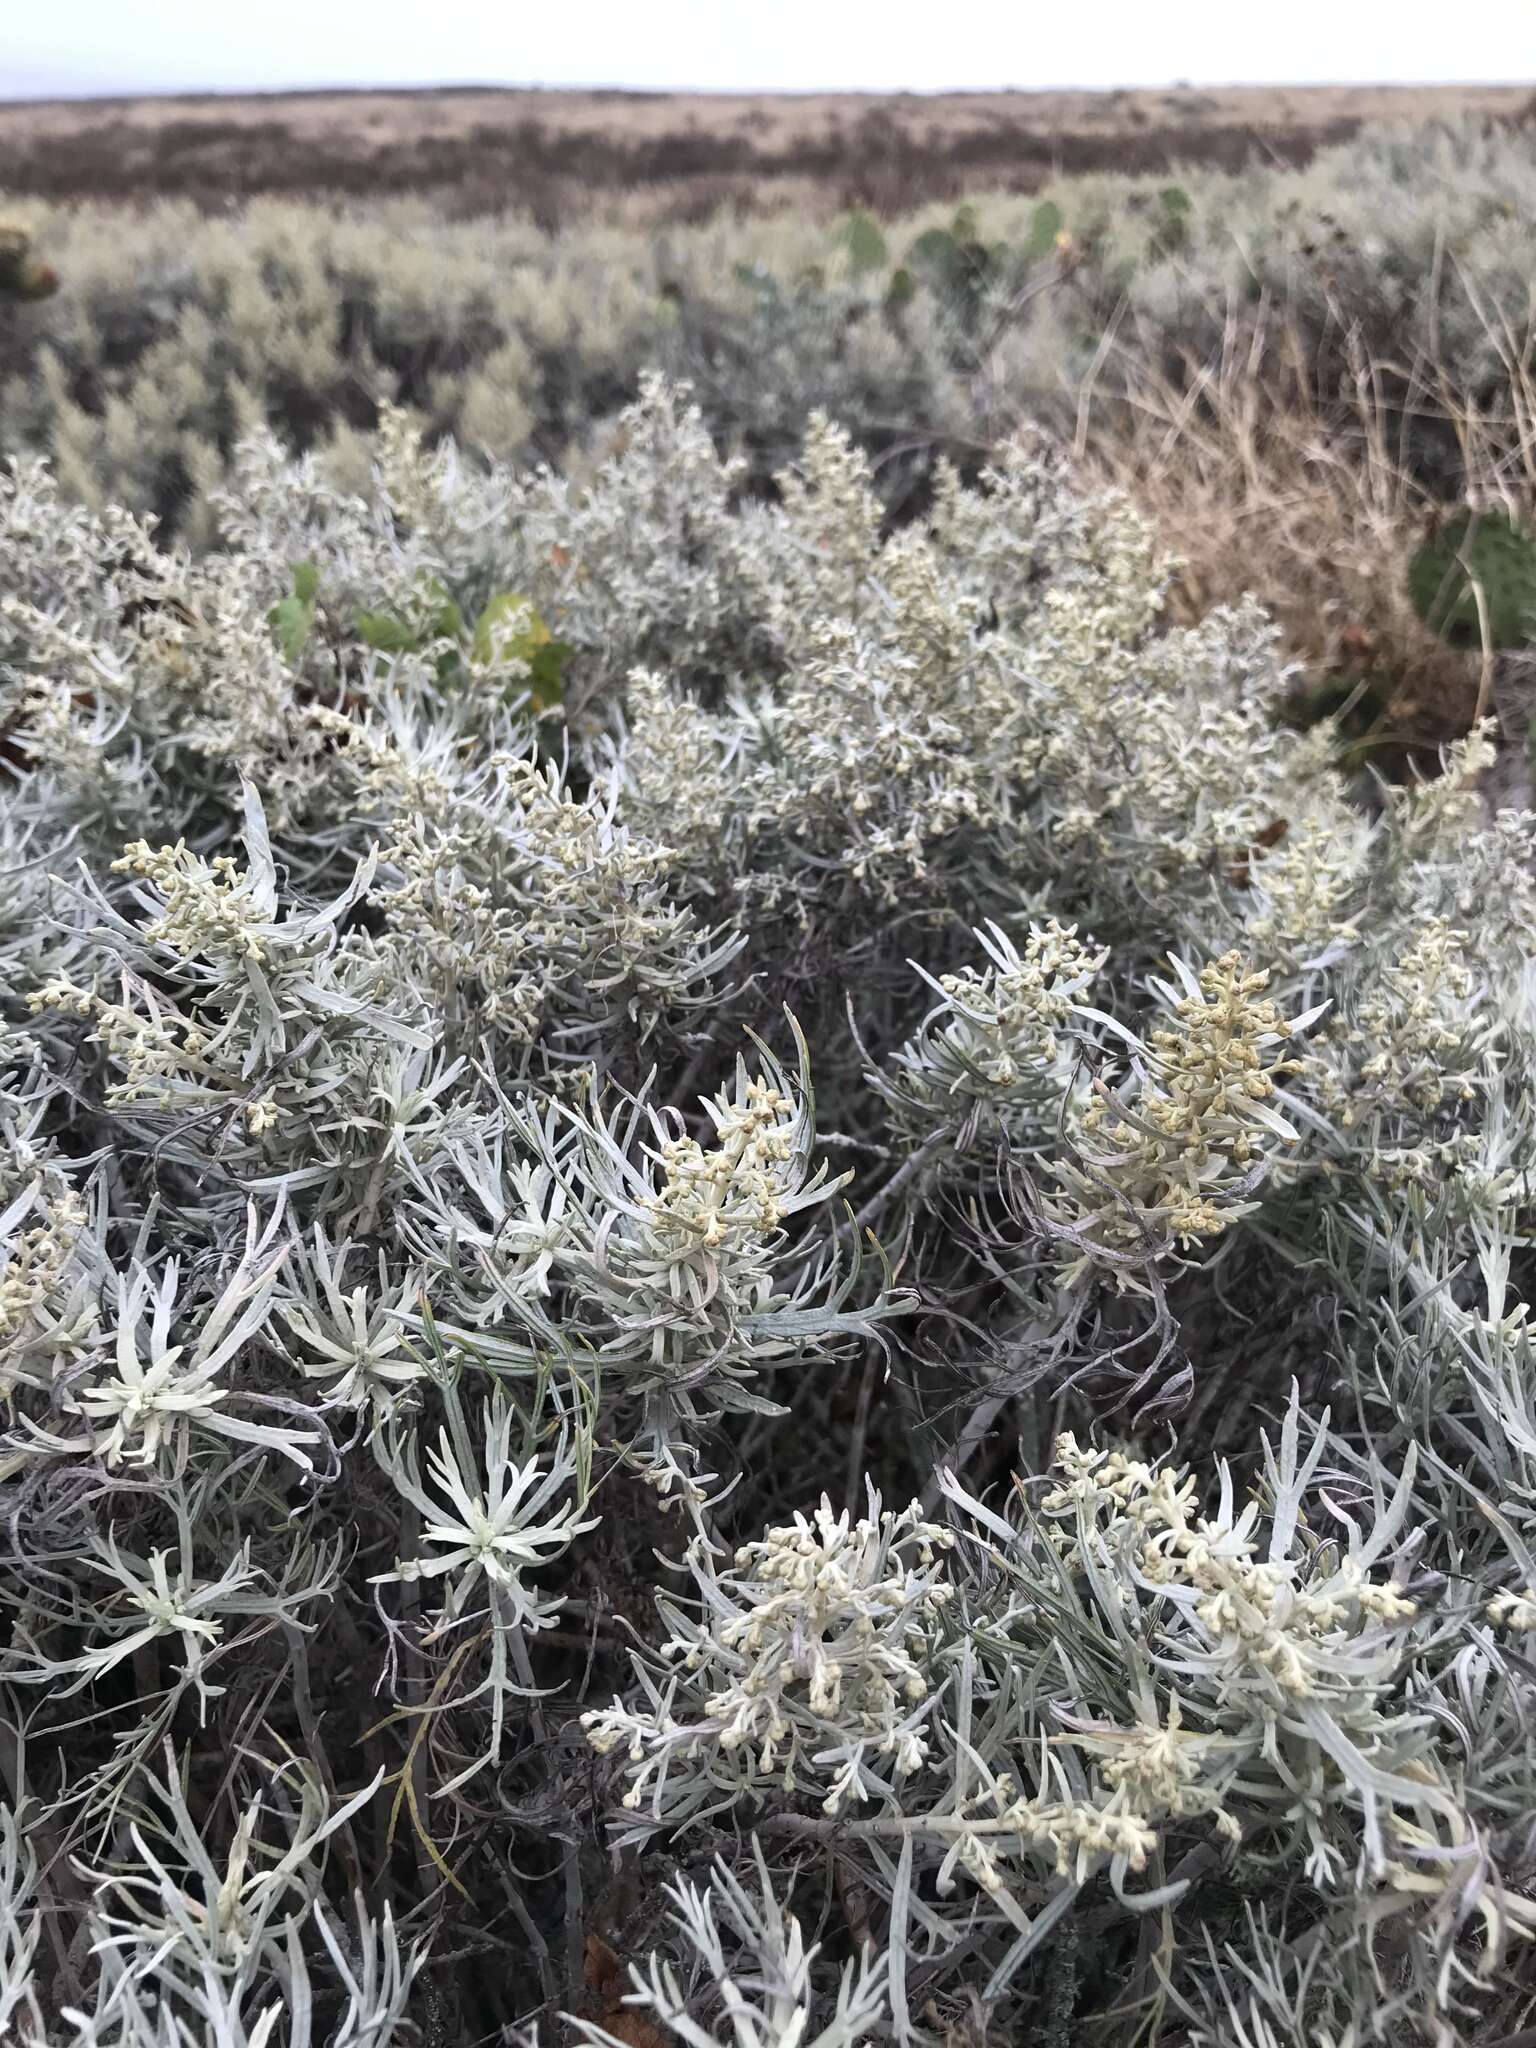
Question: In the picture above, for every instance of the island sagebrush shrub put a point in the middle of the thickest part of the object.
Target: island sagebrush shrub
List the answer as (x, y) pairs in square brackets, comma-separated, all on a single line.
[(824, 1339)]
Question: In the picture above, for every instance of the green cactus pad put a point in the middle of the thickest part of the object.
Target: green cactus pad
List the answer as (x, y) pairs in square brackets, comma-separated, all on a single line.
[(1476, 548), (901, 291), (1045, 224), (863, 244)]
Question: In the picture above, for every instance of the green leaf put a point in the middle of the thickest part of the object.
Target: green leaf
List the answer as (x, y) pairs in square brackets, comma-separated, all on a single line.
[(510, 628), (445, 621), (434, 616), (546, 674), (291, 620), (387, 633)]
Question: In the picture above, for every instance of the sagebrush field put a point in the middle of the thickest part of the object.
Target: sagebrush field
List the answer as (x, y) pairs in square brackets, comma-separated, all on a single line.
[(767, 1041), (557, 156)]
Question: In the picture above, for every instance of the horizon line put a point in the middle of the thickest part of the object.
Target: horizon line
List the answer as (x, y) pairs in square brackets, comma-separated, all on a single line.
[(110, 95)]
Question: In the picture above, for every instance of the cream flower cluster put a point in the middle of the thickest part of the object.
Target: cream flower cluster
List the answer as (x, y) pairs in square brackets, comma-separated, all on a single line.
[(1171, 1159), (806, 1665)]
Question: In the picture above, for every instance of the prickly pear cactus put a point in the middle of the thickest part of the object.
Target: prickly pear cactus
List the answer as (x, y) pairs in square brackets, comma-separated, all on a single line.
[(1477, 549), (1047, 225), (901, 290), (862, 243), (958, 264), (1170, 230)]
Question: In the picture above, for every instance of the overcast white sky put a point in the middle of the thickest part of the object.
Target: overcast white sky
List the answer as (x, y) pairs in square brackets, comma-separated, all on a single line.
[(106, 46)]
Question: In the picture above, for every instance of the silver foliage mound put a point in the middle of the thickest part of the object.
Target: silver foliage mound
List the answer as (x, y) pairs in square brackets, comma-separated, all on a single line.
[(763, 1281)]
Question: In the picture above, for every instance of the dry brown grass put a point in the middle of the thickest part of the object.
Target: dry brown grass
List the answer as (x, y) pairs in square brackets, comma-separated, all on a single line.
[(1268, 471)]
